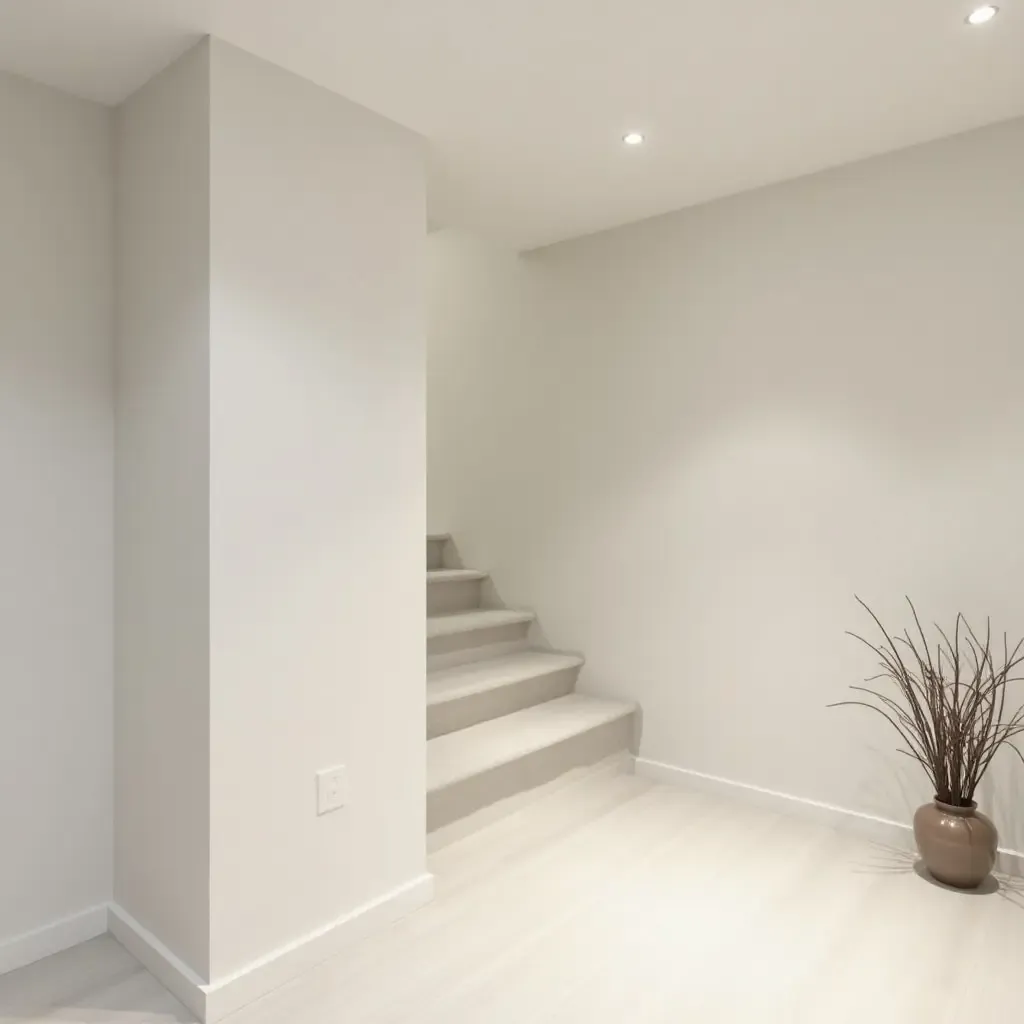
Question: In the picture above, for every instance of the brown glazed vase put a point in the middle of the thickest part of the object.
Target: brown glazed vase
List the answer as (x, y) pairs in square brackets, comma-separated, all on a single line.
[(957, 844)]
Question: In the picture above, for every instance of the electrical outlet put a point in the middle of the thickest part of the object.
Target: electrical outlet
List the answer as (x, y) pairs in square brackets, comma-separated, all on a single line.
[(331, 789)]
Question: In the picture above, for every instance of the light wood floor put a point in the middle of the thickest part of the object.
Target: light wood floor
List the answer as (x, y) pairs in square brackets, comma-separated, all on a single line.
[(619, 900)]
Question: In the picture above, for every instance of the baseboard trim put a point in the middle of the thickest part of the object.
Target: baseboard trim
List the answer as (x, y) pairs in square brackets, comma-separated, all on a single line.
[(212, 1002), (865, 826), (270, 972), (25, 949), (174, 974)]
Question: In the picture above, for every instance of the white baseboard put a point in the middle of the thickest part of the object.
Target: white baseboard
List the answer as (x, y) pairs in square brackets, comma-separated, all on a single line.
[(212, 1002), (26, 949), (864, 826), (174, 974), (257, 979)]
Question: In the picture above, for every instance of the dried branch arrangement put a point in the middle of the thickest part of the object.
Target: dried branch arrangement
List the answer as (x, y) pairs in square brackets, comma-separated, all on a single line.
[(949, 705)]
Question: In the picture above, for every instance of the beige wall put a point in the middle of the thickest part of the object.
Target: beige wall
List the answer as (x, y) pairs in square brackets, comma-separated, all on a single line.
[(317, 506), (689, 442), (162, 849), (56, 517), (271, 507)]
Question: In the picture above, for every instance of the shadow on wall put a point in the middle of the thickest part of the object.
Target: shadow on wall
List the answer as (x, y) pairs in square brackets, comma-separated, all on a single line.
[(490, 596), (1001, 796), (893, 783)]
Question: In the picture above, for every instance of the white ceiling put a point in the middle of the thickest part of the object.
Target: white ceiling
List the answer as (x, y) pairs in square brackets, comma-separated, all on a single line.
[(525, 101)]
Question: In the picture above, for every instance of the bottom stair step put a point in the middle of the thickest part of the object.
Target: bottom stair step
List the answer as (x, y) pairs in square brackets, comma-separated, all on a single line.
[(475, 767)]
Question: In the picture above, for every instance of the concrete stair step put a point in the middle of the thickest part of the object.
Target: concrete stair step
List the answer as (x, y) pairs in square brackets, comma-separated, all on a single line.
[(465, 695), (469, 630), (453, 590), (479, 765), (436, 543)]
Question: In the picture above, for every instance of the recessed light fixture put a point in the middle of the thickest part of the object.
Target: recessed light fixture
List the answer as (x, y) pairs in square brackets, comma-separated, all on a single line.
[(633, 139), (980, 15)]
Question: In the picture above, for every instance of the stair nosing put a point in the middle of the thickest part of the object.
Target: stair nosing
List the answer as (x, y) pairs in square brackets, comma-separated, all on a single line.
[(558, 662), (454, 575), (504, 617)]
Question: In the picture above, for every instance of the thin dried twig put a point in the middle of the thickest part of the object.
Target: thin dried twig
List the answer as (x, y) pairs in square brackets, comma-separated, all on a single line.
[(949, 709)]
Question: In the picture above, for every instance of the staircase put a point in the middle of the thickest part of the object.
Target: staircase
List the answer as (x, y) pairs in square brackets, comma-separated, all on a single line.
[(502, 717)]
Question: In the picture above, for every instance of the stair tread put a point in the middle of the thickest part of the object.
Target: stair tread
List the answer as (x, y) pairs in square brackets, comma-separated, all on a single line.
[(468, 752), (478, 618), (479, 676), (453, 575)]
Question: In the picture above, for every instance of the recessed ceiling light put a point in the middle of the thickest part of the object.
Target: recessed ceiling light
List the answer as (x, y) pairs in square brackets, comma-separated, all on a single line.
[(982, 14), (632, 139)]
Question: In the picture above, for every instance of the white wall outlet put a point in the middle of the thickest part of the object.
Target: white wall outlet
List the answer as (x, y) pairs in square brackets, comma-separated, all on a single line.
[(331, 789)]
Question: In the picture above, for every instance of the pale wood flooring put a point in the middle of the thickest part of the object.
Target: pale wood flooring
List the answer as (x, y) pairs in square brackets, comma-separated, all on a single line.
[(616, 899)]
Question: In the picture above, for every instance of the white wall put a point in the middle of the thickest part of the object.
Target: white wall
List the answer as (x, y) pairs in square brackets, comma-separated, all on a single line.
[(162, 849), (56, 458), (704, 433), (486, 353), (317, 506), (271, 499)]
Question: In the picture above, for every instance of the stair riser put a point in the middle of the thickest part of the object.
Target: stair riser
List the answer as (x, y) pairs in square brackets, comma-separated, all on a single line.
[(579, 780), (435, 553), (470, 655), (471, 640), (453, 596), (469, 795), (482, 707)]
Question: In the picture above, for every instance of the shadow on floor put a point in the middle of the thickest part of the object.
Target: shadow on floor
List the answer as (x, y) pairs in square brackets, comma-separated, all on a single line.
[(95, 981), (891, 860)]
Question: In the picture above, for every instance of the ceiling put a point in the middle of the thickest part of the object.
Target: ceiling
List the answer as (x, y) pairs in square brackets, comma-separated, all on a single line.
[(525, 101)]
